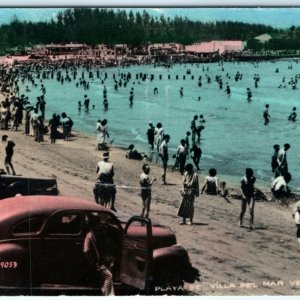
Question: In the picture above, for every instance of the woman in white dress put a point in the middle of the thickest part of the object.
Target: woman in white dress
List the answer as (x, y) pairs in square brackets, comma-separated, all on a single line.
[(102, 133)]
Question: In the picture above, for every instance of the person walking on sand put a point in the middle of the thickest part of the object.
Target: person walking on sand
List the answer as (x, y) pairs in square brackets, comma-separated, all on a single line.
[(164, 155), (247, 192), (9, 151), (189, 191), (266, 114), (146, 183)]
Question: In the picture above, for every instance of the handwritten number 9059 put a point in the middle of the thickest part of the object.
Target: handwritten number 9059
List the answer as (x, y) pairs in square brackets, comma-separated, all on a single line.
[(8, 264)]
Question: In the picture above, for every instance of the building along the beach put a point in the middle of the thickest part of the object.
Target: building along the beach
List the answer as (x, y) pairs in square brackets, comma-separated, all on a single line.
[(204, 49), (64, 49), (165, 48)]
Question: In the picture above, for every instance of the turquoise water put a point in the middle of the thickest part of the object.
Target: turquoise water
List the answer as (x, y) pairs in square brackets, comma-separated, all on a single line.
[(234, 137)]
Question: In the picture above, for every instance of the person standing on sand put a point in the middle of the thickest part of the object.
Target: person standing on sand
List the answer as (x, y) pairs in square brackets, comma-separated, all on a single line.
[(164, 155), (146, 183), (105, 190), (189, 190), (181, 155), (102, 133), (53, 124), (247, 192), (282, 160), (67, 124), (9, 151)]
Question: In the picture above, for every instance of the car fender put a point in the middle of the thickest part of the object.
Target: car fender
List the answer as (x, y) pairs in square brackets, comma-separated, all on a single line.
[(14, 265), (174, 259)]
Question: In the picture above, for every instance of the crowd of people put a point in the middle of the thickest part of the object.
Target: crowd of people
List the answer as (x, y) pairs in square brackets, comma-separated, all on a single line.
[(17, 110)]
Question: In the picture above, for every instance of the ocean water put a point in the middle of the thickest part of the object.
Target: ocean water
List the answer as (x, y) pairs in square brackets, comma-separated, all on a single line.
[(234, 137)]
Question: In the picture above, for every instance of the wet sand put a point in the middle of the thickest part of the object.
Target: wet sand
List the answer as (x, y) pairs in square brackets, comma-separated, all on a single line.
[(232, 260)]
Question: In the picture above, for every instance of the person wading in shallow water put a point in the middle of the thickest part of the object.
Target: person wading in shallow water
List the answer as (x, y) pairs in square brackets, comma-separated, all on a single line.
[(266, 114), (274, 162)]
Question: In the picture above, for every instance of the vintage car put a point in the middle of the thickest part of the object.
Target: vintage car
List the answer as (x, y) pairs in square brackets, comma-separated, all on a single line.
[(41, 250), (12, 185)]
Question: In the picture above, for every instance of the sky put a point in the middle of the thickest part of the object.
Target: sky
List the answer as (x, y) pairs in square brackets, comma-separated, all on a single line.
[(279, 17)]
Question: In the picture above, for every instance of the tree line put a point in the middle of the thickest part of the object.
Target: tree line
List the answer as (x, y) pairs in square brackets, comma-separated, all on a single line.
[(110, 26)]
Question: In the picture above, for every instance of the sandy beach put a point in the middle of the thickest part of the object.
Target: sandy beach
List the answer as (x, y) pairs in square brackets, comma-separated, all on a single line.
[(232, 260)]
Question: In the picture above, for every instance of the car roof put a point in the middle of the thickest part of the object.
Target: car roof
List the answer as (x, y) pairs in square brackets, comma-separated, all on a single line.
[(20, 207)]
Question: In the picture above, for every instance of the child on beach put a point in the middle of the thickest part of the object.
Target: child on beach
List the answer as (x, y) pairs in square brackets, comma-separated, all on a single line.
[(146, 183)]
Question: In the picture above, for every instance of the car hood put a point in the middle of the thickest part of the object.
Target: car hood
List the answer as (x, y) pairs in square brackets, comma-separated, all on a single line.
[(161, 236)]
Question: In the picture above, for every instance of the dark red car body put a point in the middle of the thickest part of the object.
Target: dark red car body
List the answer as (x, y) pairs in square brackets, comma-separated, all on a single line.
[(41, 249)]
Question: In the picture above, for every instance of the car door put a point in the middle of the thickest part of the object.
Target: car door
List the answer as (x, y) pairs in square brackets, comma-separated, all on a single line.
[(136, 253), (63, 257)]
